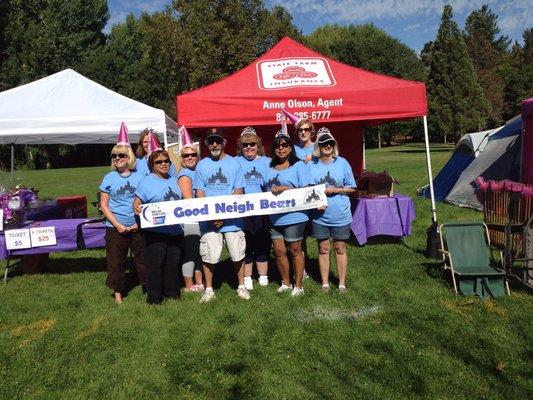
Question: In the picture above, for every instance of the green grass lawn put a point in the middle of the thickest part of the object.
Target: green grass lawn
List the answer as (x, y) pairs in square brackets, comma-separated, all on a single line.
[(398, 333)]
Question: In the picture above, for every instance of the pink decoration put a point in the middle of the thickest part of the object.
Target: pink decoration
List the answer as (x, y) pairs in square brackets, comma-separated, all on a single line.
[(496, 186), (527, 191), (481, 183), (293, 118), (123, 135), (507, 185), (153, 143), (185, 137), (517, 187)]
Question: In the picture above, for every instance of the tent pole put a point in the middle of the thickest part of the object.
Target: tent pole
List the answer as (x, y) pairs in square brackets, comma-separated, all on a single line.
[(430, 174), (364, 149), (12, 163)]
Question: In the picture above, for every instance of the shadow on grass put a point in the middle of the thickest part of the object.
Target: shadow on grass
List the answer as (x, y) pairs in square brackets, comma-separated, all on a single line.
[(414, 151)]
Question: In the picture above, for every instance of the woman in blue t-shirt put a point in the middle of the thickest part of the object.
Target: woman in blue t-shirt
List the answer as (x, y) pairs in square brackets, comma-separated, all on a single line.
[(161, 244), (254, 165), (329, 168), (190, 262), (287, 172), (122, 233)]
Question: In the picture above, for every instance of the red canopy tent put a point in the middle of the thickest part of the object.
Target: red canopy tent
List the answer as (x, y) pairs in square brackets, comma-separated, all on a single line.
[(293, 77), (527, 141)]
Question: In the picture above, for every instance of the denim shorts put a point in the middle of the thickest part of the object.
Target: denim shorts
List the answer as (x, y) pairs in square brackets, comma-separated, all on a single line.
[(321, 232), (289, 233)]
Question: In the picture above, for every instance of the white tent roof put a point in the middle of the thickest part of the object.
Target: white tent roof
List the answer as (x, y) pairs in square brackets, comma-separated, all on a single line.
[(68, 108)]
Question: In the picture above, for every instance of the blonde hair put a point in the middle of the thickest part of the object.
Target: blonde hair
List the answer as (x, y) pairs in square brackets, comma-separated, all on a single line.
[(255, 137), (316, 150), (140, 150), (121, 148)]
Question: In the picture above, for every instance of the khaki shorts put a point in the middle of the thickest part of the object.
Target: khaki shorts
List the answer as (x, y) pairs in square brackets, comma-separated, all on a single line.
[(211, 246)]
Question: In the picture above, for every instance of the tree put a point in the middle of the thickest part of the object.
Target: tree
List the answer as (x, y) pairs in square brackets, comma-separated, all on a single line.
[(456, 101), (517, 73), (222, 36), (487, 52), (367, 47)]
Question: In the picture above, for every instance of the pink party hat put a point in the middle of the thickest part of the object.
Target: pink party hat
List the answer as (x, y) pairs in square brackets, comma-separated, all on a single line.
[(153, 143), (293, 118), (185, 137), (123, 135)]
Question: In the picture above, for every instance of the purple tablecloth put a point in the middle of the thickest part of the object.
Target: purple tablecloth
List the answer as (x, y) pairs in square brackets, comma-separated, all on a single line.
[(391, 216), (66, 230)]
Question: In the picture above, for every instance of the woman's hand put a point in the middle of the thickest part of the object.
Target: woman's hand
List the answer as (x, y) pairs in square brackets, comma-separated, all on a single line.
[(121, 228), (133, 228), (331, 190), (307, 158), (278, 189), (218, 223)]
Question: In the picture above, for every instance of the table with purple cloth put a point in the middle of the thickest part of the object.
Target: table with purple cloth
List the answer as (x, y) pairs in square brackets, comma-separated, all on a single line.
[(390, 216), (66, 235)]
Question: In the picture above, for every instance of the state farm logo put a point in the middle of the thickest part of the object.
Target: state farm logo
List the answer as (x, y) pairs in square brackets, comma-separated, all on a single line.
[(290, 72), (295, 72)]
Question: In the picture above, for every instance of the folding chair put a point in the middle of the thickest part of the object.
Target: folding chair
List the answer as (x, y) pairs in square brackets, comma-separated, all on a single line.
[(466, 251)]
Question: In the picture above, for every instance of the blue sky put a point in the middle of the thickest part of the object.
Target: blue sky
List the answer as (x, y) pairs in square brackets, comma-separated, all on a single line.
[(413, 22)]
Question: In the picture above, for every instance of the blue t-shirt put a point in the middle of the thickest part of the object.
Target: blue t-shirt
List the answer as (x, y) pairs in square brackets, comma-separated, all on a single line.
[(296, 176), (219, 178), (154, 189), (337, 173), (142, 166), (302, 152), (254, 172), (121, 191)]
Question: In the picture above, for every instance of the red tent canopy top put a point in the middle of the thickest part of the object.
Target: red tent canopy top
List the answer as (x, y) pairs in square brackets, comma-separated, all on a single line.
[(291, 76)]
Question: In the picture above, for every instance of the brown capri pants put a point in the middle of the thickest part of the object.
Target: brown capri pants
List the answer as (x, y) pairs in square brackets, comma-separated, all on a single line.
[(117, 246)]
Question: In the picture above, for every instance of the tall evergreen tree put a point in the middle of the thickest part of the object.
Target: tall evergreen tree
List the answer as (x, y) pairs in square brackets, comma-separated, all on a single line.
[(456, 101), (487, 52), (517, 73)]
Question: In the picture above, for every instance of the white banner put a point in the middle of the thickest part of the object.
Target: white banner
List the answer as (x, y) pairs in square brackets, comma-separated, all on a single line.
[(224, 207)]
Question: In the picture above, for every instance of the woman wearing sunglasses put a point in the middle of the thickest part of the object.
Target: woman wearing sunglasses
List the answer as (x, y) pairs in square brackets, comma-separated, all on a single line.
[(122, 233), (306, 133), (287, 172), (161, 244), (329, 168), (254, 165), (191, 264)]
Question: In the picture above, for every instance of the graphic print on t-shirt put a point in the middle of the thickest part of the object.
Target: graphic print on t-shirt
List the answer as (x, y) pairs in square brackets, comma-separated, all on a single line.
[(328, 180), (273, 181), (171, 195), (253, 176), (217, 178), (126, 189)]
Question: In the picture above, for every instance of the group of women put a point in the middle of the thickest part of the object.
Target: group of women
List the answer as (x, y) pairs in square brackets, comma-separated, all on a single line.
[(158, 252)]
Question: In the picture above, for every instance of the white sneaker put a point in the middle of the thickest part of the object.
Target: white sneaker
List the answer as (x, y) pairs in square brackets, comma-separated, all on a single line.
[(297, 291), (208, 296), (325, 288), (243, 293), (284, 288), (248, 283), (263, 280)]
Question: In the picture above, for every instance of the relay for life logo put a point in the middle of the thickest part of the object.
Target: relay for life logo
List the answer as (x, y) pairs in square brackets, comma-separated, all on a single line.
[(292, 72)]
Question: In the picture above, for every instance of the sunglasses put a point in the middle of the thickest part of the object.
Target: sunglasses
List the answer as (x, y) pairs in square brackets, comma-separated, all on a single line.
[(329, 143), (250, 144), (165, 161), (282, 145), (189, 155), (119, 155), (304, 130), (214, 140)]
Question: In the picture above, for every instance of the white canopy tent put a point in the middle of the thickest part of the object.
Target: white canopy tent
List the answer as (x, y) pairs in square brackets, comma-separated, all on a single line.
[(68, 108)]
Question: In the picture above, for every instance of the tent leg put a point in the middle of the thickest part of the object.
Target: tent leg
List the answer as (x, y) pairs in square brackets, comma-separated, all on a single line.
[(433, 241), (12, 163), (364, 149), (430, 173)]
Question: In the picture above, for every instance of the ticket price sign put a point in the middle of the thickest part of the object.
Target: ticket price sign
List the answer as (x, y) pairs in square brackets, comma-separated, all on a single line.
[(18, 239), (45, 236)]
